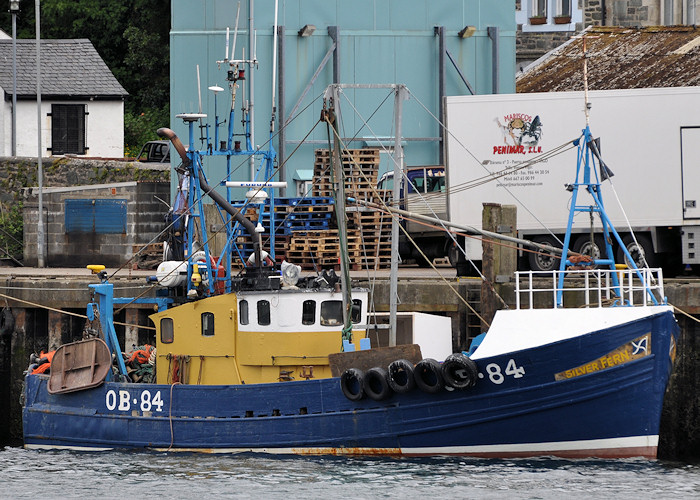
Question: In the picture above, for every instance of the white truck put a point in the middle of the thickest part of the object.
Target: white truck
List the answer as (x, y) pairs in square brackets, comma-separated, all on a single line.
[(649, 138)]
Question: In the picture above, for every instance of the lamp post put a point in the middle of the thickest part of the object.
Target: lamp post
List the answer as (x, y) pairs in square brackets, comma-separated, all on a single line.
[(40, 251), (14, 10)]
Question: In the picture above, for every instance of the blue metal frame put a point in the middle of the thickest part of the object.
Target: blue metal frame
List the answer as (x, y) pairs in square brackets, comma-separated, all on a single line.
[(587, 178), (209, 270), (104, 293)]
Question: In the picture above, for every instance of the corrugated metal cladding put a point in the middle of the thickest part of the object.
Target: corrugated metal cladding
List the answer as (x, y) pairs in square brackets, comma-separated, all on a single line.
[(379, 42), (95, 216)]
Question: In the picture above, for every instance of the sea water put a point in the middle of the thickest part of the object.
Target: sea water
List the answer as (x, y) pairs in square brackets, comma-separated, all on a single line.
[(66, 474)]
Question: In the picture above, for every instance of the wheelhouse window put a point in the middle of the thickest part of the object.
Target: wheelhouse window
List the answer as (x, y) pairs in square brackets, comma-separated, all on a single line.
[(243, 312), (263, 312), (207, 324), (308, 312), (331, 312), (68, 129), (167, 330), (356, 314)]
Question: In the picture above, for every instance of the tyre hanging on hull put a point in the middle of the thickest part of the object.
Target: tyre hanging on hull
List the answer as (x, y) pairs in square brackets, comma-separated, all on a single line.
[(401, 378), (352, 384), (376, 384), (459, 371), (428, 376)]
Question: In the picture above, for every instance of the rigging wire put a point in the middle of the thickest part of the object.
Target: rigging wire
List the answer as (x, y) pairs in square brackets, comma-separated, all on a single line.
[(443, 127), (408, 236)]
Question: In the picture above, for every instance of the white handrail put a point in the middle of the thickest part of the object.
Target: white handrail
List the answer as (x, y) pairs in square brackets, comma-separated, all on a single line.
[(590, 288)]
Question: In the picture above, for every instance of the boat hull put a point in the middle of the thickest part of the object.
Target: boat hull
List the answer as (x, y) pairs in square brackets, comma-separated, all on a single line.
[(562, 399)]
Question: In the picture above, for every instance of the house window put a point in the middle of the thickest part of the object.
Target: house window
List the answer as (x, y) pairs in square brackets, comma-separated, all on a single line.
[(308, 312), (243, 312), (207, 324), (68, 129), (563, 7), (167, 330), (263, 312), (539, 8)]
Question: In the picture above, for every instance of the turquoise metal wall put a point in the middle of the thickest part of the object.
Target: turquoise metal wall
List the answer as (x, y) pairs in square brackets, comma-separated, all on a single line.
[(381, 41)]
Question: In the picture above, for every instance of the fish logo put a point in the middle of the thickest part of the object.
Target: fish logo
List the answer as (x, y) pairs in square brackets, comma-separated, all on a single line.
[(520, 129)]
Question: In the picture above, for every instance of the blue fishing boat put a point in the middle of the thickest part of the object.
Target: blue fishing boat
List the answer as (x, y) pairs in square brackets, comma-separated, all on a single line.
[(267, 361)]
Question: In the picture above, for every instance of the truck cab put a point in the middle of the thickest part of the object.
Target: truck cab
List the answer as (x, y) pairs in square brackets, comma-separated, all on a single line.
[(426, 195)]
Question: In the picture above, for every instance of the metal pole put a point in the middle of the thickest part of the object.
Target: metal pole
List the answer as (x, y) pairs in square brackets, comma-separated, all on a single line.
[(493, 32), (399, 97), (14, 84), (40, 174), (440, 30), (334, 33), (251, 84), (281, 146), (337, 170)]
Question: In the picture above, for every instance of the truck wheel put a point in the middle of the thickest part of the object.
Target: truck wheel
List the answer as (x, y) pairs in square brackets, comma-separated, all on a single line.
[(584, 246), (645, 250), (540, 261), (453, 254)]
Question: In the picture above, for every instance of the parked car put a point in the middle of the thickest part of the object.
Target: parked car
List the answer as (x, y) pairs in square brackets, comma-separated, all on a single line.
[(155, 151)]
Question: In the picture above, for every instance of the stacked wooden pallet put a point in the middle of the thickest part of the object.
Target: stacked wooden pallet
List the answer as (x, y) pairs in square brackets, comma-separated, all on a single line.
[(306, 231), (303, 214), (246, 248), (360, 167)]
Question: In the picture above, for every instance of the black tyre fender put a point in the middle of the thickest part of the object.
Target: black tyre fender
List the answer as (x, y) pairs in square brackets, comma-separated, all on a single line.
[(401, 376), (376, 384), (351, 383), (459, 371), (428, 376)]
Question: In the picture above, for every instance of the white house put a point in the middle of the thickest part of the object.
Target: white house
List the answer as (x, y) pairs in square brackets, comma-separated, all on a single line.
[(82, 103)]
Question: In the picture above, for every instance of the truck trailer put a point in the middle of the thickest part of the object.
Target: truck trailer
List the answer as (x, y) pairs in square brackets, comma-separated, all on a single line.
[(517, 149)]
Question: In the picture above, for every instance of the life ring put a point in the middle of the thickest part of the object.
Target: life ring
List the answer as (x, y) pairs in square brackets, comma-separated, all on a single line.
[(7, 321), (459, 371), (401, 376), (428, 376), (351, 383), (376, 384)]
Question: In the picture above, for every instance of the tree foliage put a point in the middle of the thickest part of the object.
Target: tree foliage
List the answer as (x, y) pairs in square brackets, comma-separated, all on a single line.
[(132, 36)]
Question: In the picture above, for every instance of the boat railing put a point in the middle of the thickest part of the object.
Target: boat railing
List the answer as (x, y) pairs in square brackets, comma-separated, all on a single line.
[(589, 288)]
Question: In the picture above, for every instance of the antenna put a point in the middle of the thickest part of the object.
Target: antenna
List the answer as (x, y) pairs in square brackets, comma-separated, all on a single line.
[(227, 35), (199, 91), (235, 34), (274, 69), (199, 95), (587, 105)]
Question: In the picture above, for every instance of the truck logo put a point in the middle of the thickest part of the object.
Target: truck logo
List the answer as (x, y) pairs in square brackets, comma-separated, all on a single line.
[(521, 134)]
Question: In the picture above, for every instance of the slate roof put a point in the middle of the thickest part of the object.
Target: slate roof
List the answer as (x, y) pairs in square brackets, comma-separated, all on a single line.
[(69, 68), (619, 58)]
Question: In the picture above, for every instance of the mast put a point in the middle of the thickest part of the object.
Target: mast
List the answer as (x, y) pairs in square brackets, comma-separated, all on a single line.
[(588, 178), (399, 97), (337, 174)]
